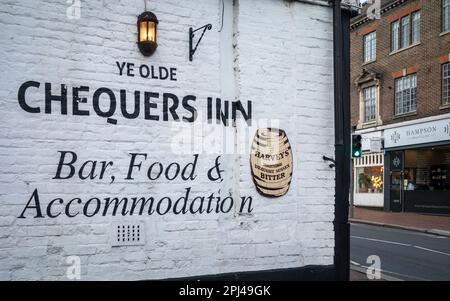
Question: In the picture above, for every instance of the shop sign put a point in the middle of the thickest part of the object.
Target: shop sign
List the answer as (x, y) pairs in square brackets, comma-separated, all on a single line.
[(271, 162), (428, 132), (375, 145)]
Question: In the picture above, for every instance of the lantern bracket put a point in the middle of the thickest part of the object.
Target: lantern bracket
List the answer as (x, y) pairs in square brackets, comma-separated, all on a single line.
[(333, 162), (191, 39)]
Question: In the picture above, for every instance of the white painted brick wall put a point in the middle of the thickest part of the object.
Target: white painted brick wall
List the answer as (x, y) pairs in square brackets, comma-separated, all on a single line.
[(283, 63)]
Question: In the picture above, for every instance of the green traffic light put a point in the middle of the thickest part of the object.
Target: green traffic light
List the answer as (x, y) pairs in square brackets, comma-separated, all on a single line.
[(357, 154), (357, 146)]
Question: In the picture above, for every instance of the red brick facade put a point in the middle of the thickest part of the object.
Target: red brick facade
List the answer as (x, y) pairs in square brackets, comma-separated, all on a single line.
[(425, 59)]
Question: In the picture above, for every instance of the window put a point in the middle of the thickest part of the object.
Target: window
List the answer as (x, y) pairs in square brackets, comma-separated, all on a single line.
[(370, 47), (446, 84), (406, 94), (395, 36), (427, 170), (446, 15), (416, 27), (406, 31), (370, 103), (370, 179)]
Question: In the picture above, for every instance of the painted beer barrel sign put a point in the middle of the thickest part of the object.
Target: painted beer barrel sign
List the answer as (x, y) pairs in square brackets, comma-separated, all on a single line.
[(271, 162)]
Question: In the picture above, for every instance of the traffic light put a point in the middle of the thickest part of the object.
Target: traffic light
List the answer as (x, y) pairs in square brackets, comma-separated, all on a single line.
[(356, 146)]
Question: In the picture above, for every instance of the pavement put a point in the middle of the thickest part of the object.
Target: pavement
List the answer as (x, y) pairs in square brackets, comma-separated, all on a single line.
[(431, 224), (398, 254)]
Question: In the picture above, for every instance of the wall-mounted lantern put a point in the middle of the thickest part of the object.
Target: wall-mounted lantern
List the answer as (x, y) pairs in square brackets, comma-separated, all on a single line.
[(147, 33)]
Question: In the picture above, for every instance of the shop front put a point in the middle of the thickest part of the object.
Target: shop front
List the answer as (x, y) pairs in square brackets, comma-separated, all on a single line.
[(417, 168), (368, 178), (368, 171)]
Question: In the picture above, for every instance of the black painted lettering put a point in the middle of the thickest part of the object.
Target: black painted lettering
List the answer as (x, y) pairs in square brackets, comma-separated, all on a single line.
[(192, 166), (130, 69), (68, 164), (173, 74), (189, 108), (123, 104), (49, 208), (21, 97), (77, 100), (37, 205), (144, 71), (150, 105), (133, 164), (120, 66), (49, 98), (150, 171), (112, 104), (172, 109), (163, 73)]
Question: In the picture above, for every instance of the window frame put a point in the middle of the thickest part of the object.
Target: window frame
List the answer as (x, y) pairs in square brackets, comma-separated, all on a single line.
[(405, 35), (407, 89), (445, 17), (402, 41), (419, 33), (445, 101), (373, 49), (372, 90), (372, 82), (395, 41)]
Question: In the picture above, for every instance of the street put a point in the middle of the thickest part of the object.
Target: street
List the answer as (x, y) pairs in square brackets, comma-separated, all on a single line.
[(404, 255)]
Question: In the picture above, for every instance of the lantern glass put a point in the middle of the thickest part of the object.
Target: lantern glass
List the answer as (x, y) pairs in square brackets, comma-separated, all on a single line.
[(147, 31)]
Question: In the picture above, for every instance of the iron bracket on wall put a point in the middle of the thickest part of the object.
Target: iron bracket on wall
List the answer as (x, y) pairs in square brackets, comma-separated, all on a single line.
[(333, 162), (191, 39)]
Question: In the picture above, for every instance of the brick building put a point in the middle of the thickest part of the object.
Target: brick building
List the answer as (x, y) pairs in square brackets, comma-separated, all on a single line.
[(400, 96)]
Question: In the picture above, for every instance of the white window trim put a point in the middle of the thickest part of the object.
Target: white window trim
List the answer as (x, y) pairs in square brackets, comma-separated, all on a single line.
[(405, 40), (444, 23), (373, 49), (404, 49), (411, 42), (419, 33), (412, 112), (377, 122), (397, 34), (444, 104), (367, 160), (364, 103)]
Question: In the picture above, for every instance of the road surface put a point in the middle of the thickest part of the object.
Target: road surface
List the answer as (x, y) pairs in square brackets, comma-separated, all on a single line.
[(404, 255)]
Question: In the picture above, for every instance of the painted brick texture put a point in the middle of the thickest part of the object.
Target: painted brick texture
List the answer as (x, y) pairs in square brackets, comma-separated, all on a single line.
[(283, 64)]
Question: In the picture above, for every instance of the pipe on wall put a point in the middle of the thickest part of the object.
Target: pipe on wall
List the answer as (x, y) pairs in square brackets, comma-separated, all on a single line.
[(341, 37)]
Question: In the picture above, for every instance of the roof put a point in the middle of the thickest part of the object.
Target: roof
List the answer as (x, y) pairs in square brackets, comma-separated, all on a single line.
[(386, 5), (351, 5)]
